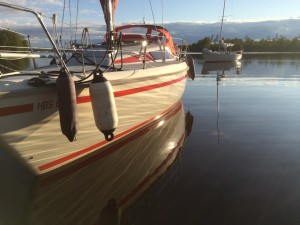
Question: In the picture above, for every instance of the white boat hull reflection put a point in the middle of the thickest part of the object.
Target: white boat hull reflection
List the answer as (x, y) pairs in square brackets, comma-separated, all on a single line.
[(102, 187), (221, 67)]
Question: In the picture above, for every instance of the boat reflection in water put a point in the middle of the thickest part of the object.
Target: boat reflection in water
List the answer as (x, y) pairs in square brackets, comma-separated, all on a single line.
[(98, 189), (219, 70), (221, 67)]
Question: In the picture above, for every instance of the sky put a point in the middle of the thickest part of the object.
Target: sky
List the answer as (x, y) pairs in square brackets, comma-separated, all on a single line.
[(210, 10), (134, 11)]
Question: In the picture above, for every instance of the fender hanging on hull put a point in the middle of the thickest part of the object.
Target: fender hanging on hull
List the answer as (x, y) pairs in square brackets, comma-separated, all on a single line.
[(104, 106), (190, 63), (66, 97)]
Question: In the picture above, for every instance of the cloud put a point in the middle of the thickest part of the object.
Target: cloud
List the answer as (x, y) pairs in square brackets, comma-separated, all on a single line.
[(258, 29), (87, 11), (5, 10), (260, 20), (46, 3), (34, 3), (7, 22), (31, 4), (16, 2)]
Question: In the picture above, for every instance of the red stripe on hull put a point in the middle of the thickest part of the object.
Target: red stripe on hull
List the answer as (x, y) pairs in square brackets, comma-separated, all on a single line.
[(85, 99), (97, 145), (147, 88), (7, 111), (106, 152), (12, 110)]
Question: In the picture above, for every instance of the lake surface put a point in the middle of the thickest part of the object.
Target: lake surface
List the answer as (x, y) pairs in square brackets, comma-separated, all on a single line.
[(229, 154)]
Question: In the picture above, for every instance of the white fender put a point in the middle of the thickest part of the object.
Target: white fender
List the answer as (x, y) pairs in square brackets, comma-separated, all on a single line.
[(104, 106)]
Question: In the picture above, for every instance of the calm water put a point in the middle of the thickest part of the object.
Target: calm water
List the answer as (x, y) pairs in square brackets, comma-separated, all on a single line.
[(239, 164)]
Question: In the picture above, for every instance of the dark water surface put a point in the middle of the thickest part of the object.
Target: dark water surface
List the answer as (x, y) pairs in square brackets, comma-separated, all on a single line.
[(239, 125)]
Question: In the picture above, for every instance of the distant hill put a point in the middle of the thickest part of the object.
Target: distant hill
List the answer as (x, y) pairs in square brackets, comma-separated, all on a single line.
[(192, 32)]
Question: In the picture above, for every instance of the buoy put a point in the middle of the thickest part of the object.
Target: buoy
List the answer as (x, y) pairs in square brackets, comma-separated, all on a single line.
[(67, 106), (103, 104)]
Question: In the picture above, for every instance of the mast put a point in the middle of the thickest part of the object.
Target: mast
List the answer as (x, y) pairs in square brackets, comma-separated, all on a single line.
[(109, 7), (109, 16), (222, 20)]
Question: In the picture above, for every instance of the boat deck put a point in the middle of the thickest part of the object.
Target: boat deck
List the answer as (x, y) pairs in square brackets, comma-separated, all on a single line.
[(18, 82)]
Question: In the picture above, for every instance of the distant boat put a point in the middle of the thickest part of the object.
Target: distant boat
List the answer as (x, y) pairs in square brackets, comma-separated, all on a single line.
[(223, 55), (117, 87)]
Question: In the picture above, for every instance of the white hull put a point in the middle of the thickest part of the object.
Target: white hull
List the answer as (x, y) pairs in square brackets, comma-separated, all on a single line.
[(29, 117), (221, 56), (144, 76)]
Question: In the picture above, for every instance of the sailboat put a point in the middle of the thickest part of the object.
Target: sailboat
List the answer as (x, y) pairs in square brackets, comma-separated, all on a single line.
[(80, 105), (223, 55)]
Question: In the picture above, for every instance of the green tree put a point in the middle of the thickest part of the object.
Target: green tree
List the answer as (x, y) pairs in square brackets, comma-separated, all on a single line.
[(204, 43), (13, 40), (276, 44)]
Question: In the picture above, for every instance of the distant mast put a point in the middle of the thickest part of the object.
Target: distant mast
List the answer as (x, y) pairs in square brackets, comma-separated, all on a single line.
[(222, 20)]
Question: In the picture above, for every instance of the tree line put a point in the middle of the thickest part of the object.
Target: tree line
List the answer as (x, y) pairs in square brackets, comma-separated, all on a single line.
[(277, 44), (8, 38)]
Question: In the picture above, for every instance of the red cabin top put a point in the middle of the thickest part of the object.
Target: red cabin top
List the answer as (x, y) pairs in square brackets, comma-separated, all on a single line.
[(149, 28)]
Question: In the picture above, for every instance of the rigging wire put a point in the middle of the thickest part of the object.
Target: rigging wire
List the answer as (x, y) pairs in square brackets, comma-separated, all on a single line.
[(70, 27), (31, 49), (162, 13), (70, 14), (63, 18), (61, 29), (152, 14), (159, 41), (76, 19), (5, 67)]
